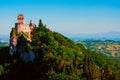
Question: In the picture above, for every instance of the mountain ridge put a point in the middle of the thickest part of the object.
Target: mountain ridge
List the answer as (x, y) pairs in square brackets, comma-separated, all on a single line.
[(94, 36), (56, 58)]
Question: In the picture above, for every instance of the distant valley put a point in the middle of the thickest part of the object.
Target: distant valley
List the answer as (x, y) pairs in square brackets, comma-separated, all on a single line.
[(107, 47), (106, 43)]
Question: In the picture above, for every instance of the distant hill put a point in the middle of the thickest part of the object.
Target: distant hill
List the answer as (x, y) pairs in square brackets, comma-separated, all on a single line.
[(98, 36), (4, 43), (4, 40)]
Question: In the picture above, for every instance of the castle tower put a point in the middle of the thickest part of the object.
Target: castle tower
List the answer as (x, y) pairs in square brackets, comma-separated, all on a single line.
[(20, 19)]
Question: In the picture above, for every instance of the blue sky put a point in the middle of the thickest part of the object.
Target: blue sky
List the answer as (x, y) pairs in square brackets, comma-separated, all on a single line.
[(71, 16)]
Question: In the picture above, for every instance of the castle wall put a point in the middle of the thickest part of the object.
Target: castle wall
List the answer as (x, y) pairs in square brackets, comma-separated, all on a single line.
[(24, 28)]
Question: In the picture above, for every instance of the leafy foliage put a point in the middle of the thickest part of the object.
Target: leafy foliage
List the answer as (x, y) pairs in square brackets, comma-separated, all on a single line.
[(66, 59), (1, 70)]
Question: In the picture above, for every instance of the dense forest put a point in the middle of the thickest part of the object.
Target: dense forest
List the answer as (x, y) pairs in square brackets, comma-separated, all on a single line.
[(56, 58)]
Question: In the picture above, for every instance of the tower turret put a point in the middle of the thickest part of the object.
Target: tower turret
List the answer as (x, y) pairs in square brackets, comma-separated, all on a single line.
[(20, 19)]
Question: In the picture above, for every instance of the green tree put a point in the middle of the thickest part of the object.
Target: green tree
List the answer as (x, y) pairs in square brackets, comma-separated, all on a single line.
[(40, 23), (1, 70)]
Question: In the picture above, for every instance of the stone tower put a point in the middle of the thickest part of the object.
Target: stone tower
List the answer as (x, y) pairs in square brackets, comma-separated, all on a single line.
[(20, 19), (26, 28)]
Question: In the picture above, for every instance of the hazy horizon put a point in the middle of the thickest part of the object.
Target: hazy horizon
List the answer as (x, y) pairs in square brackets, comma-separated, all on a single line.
[(70, 16)]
